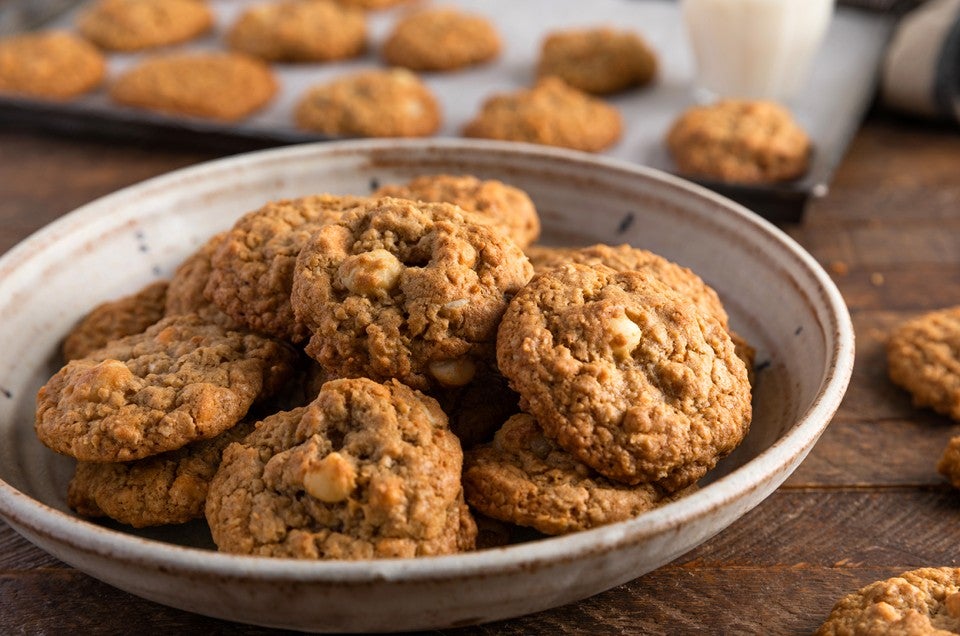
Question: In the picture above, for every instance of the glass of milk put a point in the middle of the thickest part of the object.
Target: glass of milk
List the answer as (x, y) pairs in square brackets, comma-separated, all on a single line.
[(755, 49)]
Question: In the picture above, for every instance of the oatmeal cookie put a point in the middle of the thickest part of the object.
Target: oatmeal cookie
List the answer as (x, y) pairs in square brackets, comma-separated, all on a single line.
[(366, 470), (949, 463), (922, 358), (115, 319), (180, 381), (164, 489), (406, 290), (550, 113), (130, 25), (185, 292), (252, 269), (379, 103), (739, 141), (372, 4), (508, 207), (525, 478), (224, 86), (440, 39), (625, 374), (598, 61), (297, 31), (924, 601), (52, 65)]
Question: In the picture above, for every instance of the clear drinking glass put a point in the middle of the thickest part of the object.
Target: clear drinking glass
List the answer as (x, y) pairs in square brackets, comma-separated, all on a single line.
[(755, 49)]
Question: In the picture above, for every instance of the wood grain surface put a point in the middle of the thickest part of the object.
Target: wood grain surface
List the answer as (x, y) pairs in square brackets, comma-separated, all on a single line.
[(866, 504)]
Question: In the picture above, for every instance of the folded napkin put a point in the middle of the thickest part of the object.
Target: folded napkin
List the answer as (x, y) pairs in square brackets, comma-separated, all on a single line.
[(921, 73)]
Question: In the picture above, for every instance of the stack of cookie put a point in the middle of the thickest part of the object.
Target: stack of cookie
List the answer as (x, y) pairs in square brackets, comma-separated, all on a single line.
[(338, 377)]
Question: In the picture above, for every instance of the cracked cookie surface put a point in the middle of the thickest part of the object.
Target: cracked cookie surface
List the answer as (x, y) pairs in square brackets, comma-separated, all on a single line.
[(364, 471), (180, 381), (252, 267), (509, 207), (625, 374), (525, 478), (406, 290)]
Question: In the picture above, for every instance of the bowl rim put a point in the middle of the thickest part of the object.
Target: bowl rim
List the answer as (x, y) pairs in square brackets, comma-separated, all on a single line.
[(23, 511)]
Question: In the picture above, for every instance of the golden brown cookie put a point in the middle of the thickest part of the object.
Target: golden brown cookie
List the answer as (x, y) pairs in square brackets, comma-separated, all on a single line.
[(525, 478), (739, 141), (923, 358), (625, 374), (164, 489), (407, 290), (379, 103), (366, 470), (924, 601), (506, 205), (52, 65), (372, 4), (130, 25), (252, 269), (440, 39), (185, 291), (178, 382), (550, 113), (949, 463), (225, 86), (599, 60), (299, 31), (115, 319)]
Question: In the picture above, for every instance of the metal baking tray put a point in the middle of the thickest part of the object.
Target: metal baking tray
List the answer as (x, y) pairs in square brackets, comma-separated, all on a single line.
[(839, 91)]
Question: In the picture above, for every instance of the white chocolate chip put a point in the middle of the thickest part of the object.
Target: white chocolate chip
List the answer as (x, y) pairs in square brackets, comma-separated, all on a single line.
[(456, 372), (624, 335), (370, 273), (331, 480), (456, 304)]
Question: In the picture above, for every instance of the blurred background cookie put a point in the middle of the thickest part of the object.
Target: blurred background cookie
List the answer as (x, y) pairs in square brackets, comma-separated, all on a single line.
[(54, 65), (598, 61), (375, 103), (441, 39), (130, 25), (225, 86), (299, 31)]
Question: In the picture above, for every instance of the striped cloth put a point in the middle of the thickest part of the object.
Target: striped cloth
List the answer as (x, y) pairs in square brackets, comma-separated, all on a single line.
[(921, 72)]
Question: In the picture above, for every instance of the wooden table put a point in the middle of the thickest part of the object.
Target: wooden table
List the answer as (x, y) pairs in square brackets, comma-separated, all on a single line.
[(866, 504)]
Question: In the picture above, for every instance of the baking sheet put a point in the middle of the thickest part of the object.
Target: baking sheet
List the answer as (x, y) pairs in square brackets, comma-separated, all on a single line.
[(830, 106)]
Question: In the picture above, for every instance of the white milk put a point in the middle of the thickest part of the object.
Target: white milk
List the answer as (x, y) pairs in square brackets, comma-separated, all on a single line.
[(758, 49)]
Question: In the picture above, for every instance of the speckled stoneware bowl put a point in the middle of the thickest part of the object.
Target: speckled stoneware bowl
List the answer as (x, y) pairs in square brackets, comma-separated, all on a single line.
[(776, 294)]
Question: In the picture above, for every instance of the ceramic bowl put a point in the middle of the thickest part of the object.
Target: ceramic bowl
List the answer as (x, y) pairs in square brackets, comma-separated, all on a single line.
[(777, 296)]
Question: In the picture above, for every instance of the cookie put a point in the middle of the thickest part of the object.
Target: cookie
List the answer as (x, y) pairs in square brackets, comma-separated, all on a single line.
[(739, 141), (924, 601), (364, 471), (371, 4), (598, 61), (922, 358), (378, 103), (550, 113), (509, 207), (185, 291), (525, 478), (252, 269), (406, 290), (949, 463), (115, 319), (223, 86), (164, 489), (51, 65), (178, 382), (295, 31), (625, 258), (625, 374), (440, 39), (131, 25)]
